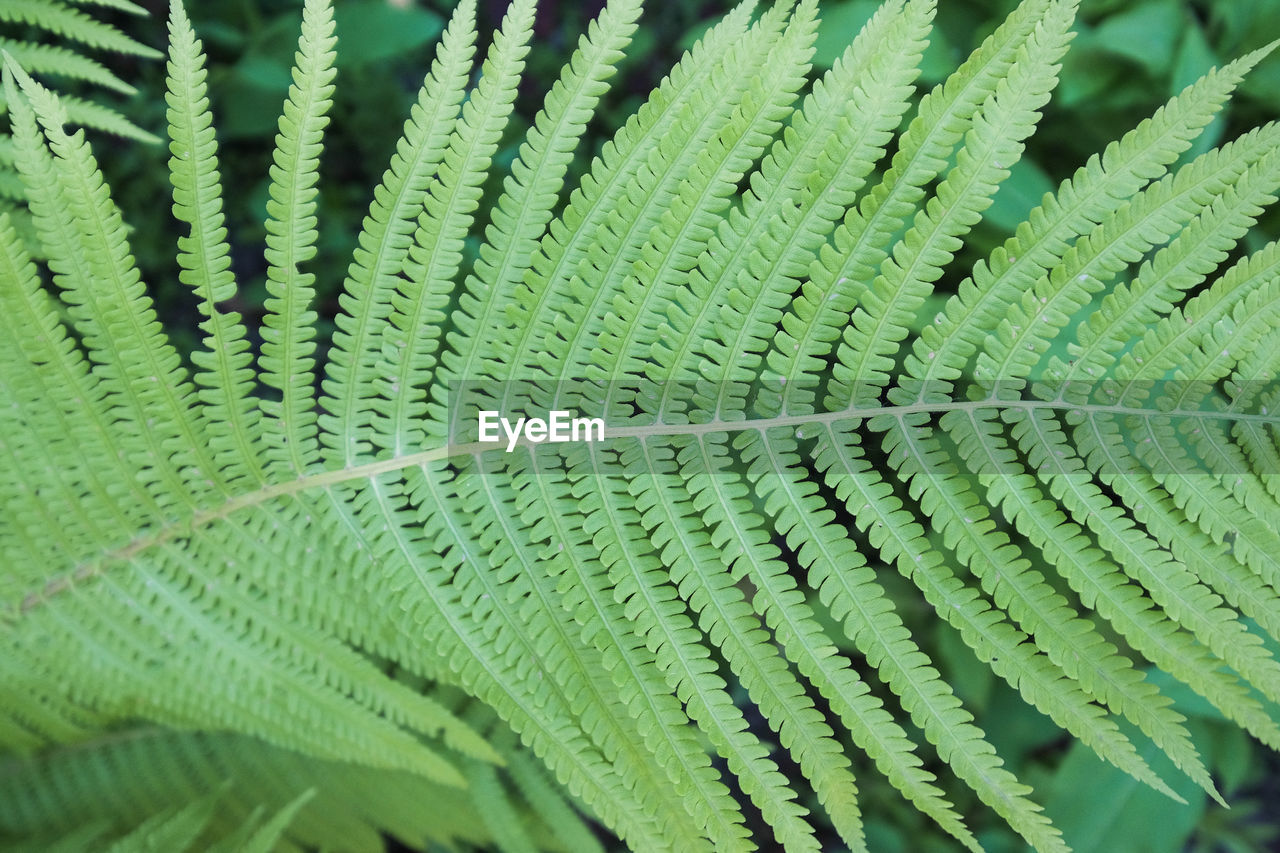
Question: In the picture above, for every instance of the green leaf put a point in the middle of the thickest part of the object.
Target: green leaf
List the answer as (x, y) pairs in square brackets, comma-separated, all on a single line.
[(1099, 808), (1146, 34)]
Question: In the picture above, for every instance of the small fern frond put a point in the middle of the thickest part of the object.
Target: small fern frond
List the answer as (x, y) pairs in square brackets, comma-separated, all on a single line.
[(673, 244), (841, 131), (605, 188), (991, 146), (109, 304)]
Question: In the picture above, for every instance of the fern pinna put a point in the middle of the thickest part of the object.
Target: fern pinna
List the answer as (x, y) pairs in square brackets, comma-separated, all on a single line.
[(269, 598)]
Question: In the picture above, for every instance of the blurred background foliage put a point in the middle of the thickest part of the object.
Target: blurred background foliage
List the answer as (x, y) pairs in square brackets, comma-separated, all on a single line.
[(1129, 57)]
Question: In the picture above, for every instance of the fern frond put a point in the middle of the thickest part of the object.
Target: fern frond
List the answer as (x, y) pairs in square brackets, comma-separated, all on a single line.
[(93, 115), (1147, 220), (899, 539), (237, 615), (992, 145), (648, 599), (72, 31), (108, 300), (839, 574), (585, 593), (596, 292), (678, 649), (1177, 268), (1158, 635), (528, 591), (534, 706), (539, 790), (674, 242), (835, 279), (722, 614), (1101, 587), (76, 426)]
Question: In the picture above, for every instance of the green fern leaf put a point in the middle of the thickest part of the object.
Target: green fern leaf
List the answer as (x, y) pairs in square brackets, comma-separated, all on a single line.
[(258, 602), (65, 61)]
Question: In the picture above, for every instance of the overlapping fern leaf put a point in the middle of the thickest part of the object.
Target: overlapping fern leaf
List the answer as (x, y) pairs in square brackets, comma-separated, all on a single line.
[(267, 597), (53, 39)]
